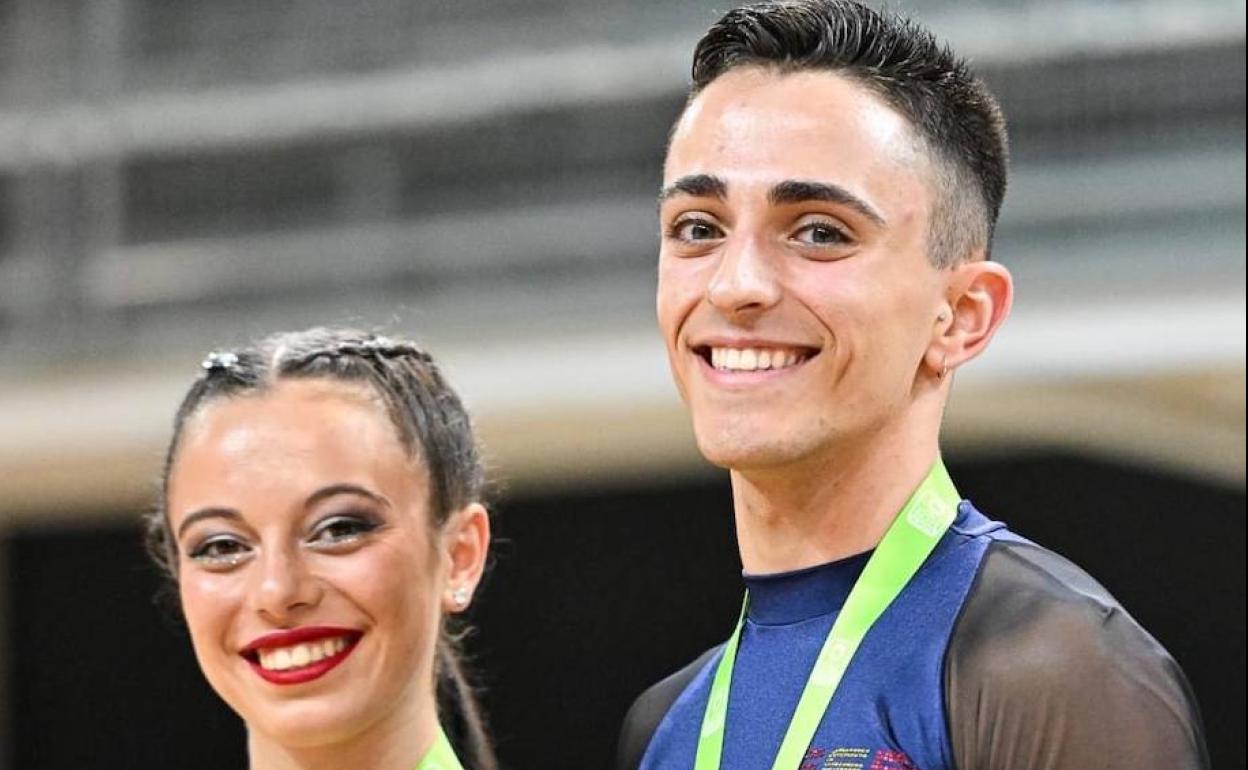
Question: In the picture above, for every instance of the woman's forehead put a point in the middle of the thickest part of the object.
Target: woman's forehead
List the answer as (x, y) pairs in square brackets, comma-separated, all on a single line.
[(294, 434)]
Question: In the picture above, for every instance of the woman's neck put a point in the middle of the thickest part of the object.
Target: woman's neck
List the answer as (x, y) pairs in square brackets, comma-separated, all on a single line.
[(828, 507), (398, 741)]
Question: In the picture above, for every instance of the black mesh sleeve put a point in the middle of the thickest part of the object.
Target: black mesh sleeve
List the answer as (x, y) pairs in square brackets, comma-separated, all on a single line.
[(648, 710), (1046, 671)]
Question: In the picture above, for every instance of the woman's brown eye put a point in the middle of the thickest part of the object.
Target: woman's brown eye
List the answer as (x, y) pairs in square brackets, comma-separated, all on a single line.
[(341, 529), (220, 552)]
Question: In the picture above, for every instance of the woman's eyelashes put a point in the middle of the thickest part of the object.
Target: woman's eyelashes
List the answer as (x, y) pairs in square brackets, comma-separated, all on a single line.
[(340, 530), (219, 552), (223, 551)]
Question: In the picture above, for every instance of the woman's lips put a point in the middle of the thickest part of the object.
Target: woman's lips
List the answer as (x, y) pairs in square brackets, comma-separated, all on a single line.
[(299, 655)]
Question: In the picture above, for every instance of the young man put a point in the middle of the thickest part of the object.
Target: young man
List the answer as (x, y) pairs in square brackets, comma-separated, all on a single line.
[(829, 198)]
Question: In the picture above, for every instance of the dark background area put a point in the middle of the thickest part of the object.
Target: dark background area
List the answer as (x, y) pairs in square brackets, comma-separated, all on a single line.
[(594, 596)]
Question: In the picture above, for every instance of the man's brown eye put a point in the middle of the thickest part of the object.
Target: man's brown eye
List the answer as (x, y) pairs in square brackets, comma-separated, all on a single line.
[(822, 235), (695, 230)]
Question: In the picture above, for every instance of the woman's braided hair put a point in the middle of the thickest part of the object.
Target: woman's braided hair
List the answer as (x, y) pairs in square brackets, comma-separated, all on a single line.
[(432, 426)]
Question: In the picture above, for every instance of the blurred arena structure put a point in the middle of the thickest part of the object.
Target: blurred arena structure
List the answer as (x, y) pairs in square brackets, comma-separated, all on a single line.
[(178, 175)]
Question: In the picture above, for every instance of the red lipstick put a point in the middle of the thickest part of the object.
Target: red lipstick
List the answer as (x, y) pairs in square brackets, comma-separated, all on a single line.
[(300, 674)]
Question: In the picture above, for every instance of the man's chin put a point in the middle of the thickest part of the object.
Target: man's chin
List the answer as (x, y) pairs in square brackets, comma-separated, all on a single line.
[(756, 454)]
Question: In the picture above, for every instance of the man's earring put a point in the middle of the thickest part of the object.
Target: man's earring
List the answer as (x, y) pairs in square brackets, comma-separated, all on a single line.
[(460, 596)]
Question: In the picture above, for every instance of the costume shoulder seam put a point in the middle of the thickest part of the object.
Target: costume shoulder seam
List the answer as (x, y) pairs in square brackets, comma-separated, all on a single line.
[(1061, 578)]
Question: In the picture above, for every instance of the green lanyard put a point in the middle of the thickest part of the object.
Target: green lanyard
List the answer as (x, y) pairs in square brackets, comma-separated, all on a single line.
[(913, 534), (441, 756)]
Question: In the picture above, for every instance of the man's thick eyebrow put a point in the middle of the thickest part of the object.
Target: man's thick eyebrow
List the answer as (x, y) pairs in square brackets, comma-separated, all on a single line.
[(799, 191), (208, 513), (696, 185)]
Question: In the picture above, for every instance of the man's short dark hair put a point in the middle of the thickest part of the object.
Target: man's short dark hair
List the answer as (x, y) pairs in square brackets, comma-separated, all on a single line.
[(951, 110)]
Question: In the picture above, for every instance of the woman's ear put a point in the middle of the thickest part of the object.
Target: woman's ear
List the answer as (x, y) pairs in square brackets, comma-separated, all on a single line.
[(977, 300), (466, 543)]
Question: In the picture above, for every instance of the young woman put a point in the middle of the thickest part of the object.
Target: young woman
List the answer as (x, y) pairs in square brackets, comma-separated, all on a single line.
[(321, 517)]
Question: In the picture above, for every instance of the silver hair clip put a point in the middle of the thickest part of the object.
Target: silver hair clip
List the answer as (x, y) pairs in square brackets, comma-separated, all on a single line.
[(217, 361)]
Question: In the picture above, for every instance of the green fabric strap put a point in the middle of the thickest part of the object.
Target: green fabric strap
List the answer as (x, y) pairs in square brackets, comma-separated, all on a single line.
[(919, 525), (441, 756)]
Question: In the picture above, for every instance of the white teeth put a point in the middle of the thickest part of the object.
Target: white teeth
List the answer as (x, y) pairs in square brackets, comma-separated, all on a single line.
[(754, 359), (299, 655)]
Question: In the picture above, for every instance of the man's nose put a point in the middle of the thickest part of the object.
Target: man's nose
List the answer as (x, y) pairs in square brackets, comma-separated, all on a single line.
[(745, 281), (283, 585)]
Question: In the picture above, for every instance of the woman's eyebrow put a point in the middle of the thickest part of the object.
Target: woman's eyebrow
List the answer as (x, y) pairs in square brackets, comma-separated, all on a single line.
[(208, 513), (346, 489), (802, 190)]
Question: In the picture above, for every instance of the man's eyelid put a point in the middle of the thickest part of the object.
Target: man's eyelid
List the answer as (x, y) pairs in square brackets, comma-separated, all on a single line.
[(843, 232), (834, 220), (692, 214)]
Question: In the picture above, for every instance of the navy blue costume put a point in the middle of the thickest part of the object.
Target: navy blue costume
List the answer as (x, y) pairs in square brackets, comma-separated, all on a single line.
[(997, 655)]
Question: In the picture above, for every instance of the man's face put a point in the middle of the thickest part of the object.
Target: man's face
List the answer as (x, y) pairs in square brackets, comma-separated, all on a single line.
[(795, 294)]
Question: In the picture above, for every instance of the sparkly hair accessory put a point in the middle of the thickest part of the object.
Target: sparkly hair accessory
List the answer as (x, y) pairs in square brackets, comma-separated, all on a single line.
[(218, 361)]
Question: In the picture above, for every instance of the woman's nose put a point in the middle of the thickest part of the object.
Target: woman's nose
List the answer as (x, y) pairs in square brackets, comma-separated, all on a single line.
[(283, 585)]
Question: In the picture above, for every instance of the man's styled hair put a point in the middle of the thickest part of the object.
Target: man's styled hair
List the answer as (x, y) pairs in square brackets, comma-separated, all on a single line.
[(951, 110)]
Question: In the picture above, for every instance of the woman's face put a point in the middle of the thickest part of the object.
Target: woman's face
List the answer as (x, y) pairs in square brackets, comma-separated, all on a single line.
[(311, 578)]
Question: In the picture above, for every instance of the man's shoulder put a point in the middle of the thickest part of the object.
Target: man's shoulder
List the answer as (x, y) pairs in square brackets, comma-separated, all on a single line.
[(1043, 647), (1029, 605), (648, 710)]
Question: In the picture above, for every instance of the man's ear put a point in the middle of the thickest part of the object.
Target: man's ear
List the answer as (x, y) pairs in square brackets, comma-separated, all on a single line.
[(466, 543), (977, 300)]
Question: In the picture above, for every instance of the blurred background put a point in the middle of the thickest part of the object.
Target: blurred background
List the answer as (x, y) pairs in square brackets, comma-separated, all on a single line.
[(180, 175)]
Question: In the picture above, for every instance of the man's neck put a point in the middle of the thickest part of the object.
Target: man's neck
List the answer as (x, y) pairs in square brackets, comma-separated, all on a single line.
[(829, 507), (397, 742)]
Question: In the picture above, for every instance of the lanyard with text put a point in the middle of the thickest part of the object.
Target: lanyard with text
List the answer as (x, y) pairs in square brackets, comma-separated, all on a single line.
[(913, 534), (441, 756)]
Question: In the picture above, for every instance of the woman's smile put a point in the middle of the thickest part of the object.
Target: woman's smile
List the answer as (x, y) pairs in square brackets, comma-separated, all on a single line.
[(301, 654)]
